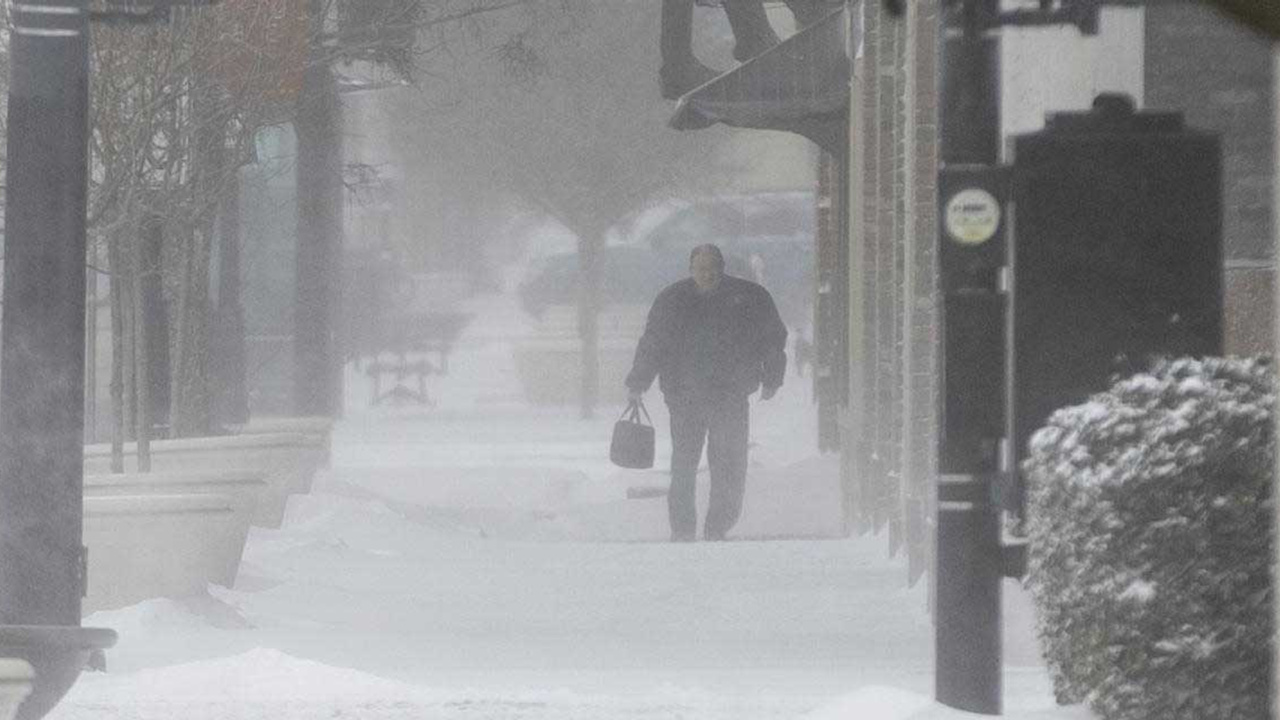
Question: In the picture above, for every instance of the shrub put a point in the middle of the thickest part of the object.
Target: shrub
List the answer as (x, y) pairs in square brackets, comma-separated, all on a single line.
[(1150, 524)]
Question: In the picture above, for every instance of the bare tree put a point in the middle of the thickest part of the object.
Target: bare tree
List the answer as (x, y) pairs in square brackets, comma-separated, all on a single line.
[(177, 108), (566, 115), (394, 34), (175, 111)]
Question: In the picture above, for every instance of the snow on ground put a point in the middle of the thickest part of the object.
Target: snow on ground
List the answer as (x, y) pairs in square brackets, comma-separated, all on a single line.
[(481, 559)]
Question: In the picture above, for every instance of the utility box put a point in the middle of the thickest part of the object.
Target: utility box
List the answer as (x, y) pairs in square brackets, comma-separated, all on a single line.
[(1117, 255)]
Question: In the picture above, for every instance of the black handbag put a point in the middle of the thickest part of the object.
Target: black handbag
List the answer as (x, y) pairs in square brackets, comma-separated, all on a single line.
[(632, 445)]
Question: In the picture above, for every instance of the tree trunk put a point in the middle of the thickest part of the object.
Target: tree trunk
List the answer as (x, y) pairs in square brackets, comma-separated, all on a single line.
[(189, 411), (91, 345), (127, 365), (147, 307), (115, 262), (318, 125), (231, 397), (192, 409), (590, 262), (149, 332)]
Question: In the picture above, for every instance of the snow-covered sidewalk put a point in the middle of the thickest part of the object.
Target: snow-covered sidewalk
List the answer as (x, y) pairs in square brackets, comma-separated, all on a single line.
[(481, 559)]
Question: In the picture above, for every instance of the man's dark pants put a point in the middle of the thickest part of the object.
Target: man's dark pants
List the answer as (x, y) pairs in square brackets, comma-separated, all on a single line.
[(723, 424)]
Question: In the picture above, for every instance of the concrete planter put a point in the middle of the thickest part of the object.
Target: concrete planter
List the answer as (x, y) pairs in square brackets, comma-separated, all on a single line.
[(147, 546), (286, 460), (307, 425), (47, 659), (319, 428), (244, 489)]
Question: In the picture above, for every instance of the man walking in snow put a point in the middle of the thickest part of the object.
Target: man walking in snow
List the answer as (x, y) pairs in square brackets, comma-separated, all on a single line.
[(711, 340)]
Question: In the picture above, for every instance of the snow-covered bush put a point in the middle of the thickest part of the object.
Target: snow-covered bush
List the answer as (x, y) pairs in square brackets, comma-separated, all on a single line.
[(1150, 560)]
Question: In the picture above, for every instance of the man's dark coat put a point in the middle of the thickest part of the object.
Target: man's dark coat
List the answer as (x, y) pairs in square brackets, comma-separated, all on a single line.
[(724, 343)]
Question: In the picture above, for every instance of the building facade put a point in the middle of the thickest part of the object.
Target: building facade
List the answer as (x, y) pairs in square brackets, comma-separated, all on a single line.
[(889, 425), (1220, 75), (1173, 57)]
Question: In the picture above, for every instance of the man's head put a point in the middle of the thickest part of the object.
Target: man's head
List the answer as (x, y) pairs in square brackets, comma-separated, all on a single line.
[(706, 265)]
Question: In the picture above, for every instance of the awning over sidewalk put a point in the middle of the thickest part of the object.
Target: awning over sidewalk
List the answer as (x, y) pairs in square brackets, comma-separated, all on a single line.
[(1262, 16), (802, 86)]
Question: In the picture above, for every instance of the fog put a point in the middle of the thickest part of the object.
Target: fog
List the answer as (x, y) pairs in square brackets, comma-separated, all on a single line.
[(468, 549), (371, 286)]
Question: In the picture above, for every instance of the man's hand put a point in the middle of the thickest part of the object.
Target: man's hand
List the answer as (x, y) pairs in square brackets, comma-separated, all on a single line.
[(767, 392), (634, 396)]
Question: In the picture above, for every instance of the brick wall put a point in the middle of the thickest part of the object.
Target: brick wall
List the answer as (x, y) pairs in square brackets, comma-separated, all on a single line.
[(1195, 61), (893, 283), (920, 423), (1220, 76), (888, 282), (864, 304)]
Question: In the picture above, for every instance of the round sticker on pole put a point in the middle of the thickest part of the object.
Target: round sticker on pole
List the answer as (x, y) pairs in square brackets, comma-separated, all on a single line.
[(972, 216)]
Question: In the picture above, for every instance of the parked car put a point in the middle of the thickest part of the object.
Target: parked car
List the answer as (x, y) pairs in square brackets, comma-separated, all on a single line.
[(766, 237), (631, 276)]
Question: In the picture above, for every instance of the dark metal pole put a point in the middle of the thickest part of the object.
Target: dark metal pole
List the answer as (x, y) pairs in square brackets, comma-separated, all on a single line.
[(317, 364), (969, 554), (232, 394), (42, 361)]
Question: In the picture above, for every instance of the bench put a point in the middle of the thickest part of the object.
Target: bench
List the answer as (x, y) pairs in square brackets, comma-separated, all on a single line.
[(413, 346)]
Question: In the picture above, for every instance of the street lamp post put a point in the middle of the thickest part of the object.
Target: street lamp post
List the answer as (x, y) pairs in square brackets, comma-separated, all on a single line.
[(972, 253), (42, 560), (976, 264), (42, 563)]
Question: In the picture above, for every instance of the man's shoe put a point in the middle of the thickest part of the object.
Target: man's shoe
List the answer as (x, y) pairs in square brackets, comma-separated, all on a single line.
[(679, 78), (710, 536), (683, 536)]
